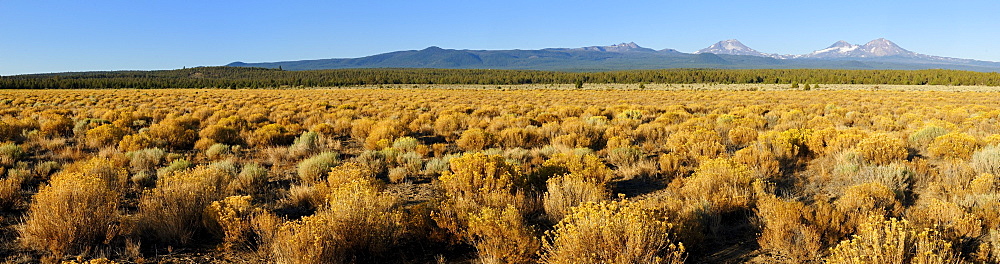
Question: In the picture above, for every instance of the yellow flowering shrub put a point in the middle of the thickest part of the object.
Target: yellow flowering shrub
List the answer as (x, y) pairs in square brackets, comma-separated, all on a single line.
[(173, 213), (953, 146), (232, 215), (567, 191), (75, 212), (104, 135), (741, 135), (474, 140), (502, 236), (892, 241), (478, 181), (784, 232), (356, 223), (176, 133), (726, 185), (588, 167), (882, 149), (612, 232)]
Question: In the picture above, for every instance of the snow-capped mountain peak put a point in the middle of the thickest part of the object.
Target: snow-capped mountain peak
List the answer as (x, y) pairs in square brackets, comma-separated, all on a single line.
[(838, 49), (730, 47), (623, 47), (876, 48), (735, 47), (883, 47)]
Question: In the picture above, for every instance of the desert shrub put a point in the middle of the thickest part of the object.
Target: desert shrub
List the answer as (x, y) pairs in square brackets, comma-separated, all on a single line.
[(987, 160), (175, 166), (217, 151), (881, 149), (383, 134), (567, 191), (700, 143), (326, 130), (75, 212), (478, 181), (221, 134), (145, 160), (953, 146), (643, 169), (104, 135), (621, 157), (114, 174), (251, 179), (271, 135), (951, 219), (356, 221), (361, 127), (741, 136), (231, 215), (615, 142), (474, 140), (896, 177), (439, 165), (137, 141), (304, 198), (347, 172), (10, 193), (12, 129), (787, 146), (612, 232), (227, 166), (44, 169), (314, 168), (921, 138), (55, 124), (175, 133), (10, 154), (573, 140), (984, 183), (173, 213), (588, 167), (405, 144), (725, 185), (673, 165), (784, 232), (306, 144), (867, 199), (892, 241), (514, 137), (761, 161), (503, 236), (374, 161), (989, 249), (408, 164)]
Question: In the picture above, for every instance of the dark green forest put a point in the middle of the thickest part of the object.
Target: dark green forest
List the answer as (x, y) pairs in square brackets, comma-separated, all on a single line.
[(244, 77)]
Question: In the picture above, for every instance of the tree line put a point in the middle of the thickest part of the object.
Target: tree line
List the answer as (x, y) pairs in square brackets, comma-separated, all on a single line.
[(247, 77)]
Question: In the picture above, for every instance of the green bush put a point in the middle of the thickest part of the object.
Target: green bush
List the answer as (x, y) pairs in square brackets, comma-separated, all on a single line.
[(314, 168)]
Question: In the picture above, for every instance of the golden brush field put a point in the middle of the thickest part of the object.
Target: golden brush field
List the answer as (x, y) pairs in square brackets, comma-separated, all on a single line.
[(669, 173)]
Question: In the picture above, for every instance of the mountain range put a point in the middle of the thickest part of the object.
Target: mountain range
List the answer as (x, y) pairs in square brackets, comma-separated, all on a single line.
[(728, 54)]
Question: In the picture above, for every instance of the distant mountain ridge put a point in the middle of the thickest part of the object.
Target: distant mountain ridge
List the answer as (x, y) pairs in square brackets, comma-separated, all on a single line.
[(728, 54)]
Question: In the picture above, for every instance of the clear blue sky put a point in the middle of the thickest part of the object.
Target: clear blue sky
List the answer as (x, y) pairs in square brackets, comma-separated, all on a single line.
[(60, 35)]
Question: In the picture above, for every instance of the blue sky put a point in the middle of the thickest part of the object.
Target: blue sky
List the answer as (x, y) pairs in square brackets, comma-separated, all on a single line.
[(61, 35)]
